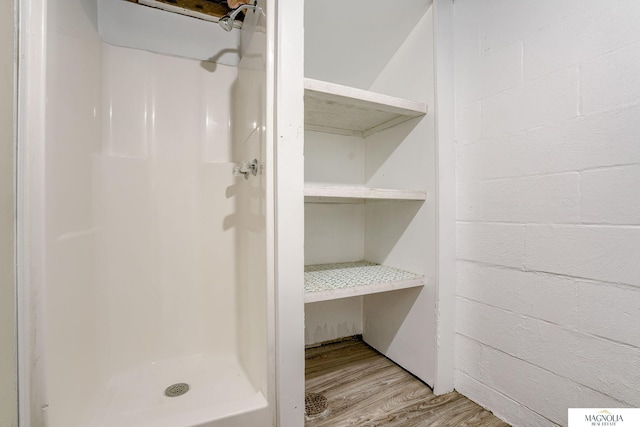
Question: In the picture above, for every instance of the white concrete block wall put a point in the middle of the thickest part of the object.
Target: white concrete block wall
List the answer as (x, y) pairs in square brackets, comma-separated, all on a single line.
[(548, 171)]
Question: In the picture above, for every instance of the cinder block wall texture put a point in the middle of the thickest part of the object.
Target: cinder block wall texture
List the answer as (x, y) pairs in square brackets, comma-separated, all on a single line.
[(548, 205)]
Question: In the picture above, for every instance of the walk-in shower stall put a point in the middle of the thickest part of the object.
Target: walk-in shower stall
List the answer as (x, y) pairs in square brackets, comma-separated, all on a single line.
[(145, 292)]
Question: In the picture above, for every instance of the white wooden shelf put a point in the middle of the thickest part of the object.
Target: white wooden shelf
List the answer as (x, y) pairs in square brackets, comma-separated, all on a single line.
[(324, 282), (344, 110), (341, 194)]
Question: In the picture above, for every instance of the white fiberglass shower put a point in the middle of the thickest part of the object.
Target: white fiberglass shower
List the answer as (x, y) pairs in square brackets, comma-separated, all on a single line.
[(144, 262)]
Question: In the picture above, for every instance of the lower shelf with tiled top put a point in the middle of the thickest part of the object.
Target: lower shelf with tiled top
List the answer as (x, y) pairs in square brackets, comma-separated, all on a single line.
[(324, 282)]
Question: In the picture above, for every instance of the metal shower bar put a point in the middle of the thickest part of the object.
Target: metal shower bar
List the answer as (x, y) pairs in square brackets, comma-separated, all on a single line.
[(226, 22)]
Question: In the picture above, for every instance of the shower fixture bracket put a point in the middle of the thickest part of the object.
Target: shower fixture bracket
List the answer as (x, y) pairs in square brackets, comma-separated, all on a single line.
[(227, 21), (246, 168)]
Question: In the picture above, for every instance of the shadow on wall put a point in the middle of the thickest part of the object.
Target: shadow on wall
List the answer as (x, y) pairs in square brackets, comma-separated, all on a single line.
[(212, 63), (390, 220), (90, 8), (383, 145), (395, 316)]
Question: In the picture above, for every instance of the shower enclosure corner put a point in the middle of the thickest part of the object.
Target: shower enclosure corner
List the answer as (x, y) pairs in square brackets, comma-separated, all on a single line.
[(145, 279)]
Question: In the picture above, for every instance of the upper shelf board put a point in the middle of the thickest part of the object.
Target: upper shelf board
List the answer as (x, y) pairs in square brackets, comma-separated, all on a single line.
[(341, 194), (343, 110)]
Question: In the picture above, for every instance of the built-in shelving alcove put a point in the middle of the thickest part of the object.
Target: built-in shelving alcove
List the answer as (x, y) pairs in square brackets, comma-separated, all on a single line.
[(370, 180)]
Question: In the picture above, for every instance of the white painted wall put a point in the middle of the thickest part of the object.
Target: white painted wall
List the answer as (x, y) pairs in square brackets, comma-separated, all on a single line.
[(401, 325), (8, 393), (352, 42), (548, 165), (286, 36)]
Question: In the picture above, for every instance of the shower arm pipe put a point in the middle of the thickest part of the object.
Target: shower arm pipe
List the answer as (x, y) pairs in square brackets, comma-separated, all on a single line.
[(226, 22)]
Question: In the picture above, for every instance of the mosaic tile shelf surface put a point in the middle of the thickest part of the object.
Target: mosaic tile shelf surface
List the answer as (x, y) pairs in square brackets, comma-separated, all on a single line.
[(324, 277)]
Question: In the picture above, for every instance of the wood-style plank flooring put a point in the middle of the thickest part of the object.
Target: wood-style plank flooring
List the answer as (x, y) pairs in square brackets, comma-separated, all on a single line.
[(365, 388)]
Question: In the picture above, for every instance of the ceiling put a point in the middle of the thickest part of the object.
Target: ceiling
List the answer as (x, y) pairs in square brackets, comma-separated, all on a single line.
[(209, 10)]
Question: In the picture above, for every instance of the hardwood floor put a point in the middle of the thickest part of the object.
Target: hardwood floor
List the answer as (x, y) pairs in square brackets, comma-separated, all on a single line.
[(365, 388)]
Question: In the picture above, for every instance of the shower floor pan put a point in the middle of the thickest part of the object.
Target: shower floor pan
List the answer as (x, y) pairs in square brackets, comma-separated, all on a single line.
[(219, 395)]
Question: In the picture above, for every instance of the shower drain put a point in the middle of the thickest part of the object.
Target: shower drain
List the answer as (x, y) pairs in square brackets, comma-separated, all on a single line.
[(176, 389), (315, 403)]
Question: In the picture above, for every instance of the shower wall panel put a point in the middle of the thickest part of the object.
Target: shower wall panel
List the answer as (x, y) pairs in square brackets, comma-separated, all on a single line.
[(142, 236), (166, 241), (67, 300), (249, 141)]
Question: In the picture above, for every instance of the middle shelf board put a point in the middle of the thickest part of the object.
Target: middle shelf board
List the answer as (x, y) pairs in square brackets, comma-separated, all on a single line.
[(324, 282), (342, 194), (344, 110)]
